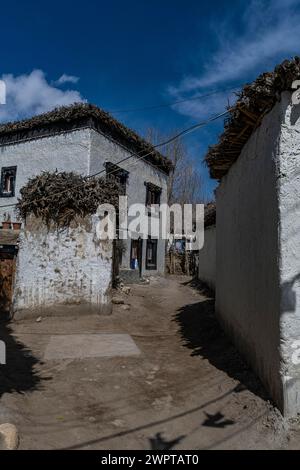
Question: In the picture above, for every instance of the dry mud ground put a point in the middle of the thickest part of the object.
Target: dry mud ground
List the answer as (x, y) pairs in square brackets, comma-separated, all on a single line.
[(187, 389)]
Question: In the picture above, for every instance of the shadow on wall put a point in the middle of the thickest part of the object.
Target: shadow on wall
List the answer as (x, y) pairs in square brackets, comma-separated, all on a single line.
[(289, 301), (200, 332), (18, 374)]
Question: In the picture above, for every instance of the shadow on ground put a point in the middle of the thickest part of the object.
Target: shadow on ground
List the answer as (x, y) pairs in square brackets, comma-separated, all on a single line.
[(18, 374), (158, 442), (200, 286), (201, 332)]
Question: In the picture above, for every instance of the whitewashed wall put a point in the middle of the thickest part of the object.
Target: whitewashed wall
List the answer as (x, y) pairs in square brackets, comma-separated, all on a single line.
[(258, 253), (104, 150), (83, 151), (289, 259), (64, 152), (207, 258), (247, 280), (65, 268)]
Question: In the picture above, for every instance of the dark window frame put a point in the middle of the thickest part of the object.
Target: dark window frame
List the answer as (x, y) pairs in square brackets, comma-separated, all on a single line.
[(121, 175), (13, 172), (152, 265), (153, 194)]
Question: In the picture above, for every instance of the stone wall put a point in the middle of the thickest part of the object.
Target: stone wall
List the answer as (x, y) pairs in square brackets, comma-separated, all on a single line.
[(61, 270)]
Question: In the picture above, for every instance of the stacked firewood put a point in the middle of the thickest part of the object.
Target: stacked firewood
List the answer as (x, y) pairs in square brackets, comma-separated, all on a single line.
[(59, 198), (253, 103)]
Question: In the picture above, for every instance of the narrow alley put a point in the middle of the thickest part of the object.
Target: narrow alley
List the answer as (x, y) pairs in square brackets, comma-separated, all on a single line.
[(178, 385)]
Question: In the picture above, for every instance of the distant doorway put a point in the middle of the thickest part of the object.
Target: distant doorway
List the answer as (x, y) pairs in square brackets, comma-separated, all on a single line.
[(7, 271), (136, 255), (151, 254)]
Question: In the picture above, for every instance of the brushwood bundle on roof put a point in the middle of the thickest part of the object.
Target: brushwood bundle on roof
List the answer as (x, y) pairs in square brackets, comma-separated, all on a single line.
[(253, 103), (59, 198), (80, 115)]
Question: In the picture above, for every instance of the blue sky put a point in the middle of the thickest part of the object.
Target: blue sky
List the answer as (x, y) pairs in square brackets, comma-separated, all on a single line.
[(122, 55)]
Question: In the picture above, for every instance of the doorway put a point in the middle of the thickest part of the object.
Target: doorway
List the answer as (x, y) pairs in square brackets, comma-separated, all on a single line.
[(136, 255), (7, 271)]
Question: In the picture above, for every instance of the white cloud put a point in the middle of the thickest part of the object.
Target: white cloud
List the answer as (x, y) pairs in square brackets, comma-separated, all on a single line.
[(31, 94), (270, 34), (64, 78)]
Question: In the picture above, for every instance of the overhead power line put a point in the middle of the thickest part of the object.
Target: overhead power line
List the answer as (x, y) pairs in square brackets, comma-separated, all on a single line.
[(174, 103), (141, 157)]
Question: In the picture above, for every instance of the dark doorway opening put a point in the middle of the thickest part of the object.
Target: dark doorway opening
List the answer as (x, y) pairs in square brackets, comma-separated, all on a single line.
[(136, 255), (7, 272), (151, 254)]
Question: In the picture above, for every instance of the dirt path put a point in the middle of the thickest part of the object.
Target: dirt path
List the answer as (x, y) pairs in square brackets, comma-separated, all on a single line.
[(188, 389)]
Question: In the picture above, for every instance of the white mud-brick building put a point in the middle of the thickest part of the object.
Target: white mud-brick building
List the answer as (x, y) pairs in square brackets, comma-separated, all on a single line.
[(58, 262), (86, 140), (257, 226)]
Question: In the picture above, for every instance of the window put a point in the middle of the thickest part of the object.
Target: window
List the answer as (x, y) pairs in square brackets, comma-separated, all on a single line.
[(8, 181), (115, 172), (151, 254), (152, 194)]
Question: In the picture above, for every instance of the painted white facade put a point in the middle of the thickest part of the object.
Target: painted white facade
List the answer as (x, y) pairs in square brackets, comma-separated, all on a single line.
[(83, 151), (289, 261), (68, 151), (258, 253), (59, 270), (207, 258), (105, 150)]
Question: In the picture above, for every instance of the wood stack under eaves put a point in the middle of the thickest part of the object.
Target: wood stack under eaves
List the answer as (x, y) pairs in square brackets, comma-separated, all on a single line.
[(60, 198), (253, 103)]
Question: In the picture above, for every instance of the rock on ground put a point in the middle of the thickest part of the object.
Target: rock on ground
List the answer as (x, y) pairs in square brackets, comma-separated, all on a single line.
[(9, 438)]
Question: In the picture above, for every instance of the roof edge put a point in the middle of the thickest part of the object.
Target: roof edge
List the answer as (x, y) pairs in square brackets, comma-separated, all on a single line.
[(80, 115), (254, 101)]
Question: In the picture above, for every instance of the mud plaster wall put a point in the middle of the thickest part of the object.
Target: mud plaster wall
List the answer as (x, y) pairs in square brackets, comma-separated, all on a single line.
[(85, 152), (207, 258), (68, 151), (104, 150), (258, 253), (69, 267), (289, 260), (247, 274)]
